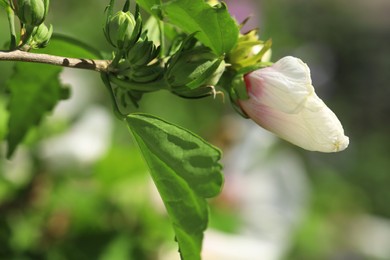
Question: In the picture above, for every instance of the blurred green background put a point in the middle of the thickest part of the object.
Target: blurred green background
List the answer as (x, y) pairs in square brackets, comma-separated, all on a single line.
[(59, 203)]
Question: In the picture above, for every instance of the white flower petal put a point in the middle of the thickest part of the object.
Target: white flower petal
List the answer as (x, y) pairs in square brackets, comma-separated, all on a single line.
[(283, 101)]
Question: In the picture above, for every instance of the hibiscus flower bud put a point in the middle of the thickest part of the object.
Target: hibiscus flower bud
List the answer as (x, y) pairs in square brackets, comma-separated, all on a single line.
[(31, 12), (193, 68), (40, 36), (119, 30), (281, 99)]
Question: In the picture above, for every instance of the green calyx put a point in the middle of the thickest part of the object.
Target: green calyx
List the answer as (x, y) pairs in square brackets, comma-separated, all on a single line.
[(40, 36), (193, 67), (31, 12), (238, 91), (249, 51), (142, 52), (119, 29)]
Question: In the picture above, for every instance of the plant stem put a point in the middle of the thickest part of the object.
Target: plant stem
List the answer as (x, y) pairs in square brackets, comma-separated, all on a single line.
[(88, 64), (11, 22), (162, 38)]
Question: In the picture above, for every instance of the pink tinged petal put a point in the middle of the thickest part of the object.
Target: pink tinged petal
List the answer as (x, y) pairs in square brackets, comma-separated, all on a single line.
[(283, 101)]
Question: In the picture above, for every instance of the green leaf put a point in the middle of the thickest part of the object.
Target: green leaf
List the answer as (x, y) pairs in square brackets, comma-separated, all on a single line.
[(63, 45), (3, 3), (151, 6), (214, 26), (185, 170), (35, 90)]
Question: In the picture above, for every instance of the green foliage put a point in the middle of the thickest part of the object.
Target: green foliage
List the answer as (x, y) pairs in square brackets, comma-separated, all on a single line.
[(214, 26), (35, 90), (184, 167), (70, 47), (3, 3), (152, 6), (185, 170)]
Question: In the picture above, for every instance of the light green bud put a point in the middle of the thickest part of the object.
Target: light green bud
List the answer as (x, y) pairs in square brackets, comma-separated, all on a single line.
[(31, 12), (40, 36), (120, 30)]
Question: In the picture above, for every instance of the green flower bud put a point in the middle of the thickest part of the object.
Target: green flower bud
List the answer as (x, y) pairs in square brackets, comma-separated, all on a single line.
[(146, 74), (142, 53), (40, 36), (121, 30), (31, 12), (193, 68)]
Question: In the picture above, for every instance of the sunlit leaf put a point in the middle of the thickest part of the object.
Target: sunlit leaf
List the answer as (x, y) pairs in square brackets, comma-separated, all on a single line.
[(214, 26), (186, 170), (151, 6)]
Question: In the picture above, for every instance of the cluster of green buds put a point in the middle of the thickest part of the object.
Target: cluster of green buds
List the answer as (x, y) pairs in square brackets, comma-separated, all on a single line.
[(136, 67), (136, 58), (191, 71), (143, 63), (32, 13), (194, 70)]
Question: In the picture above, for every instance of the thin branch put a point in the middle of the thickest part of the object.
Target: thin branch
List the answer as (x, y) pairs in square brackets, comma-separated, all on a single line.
[(88, 64), (11, 22)]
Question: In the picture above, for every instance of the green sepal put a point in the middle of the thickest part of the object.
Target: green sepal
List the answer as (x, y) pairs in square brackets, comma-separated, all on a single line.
[(238, 88), (193, 66), (127, 83)]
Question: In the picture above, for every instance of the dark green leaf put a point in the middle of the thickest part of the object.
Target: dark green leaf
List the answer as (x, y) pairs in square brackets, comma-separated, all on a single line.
[(214, 26), (185, 170), (35, 90)]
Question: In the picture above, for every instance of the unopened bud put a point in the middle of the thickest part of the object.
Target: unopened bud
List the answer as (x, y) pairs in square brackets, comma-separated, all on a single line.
[(120, 30), (142, 53), (194, 68), (40, 37), (31, 12)]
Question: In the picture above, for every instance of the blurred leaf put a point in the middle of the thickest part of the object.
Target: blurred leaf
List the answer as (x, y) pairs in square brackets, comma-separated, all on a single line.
[(151, 6), (35, 90), (3, 118), (214, 26), (63, 45), (185, 170)]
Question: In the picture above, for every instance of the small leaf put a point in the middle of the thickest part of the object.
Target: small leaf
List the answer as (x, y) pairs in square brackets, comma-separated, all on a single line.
[(35, 90), (214, 26), (185, 170)]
